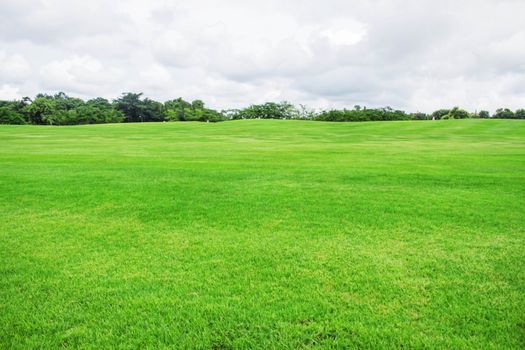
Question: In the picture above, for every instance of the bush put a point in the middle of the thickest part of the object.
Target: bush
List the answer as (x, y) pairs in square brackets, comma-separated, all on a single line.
[(9, 116), (519, 114), (360, 115), (504, 113)]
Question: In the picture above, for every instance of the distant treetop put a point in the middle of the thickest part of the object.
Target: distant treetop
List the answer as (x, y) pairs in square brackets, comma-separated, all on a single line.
[(61, 109)]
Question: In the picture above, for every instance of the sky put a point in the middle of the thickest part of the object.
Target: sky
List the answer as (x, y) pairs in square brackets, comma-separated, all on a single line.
[(416, 55)]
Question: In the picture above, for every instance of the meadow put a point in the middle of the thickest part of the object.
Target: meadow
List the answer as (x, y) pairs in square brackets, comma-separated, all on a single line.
[(265, 234)]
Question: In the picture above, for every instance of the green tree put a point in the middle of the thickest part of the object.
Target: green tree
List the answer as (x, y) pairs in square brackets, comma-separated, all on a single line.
[(41, 110), (66, 103), (456, 113), (174, 109), (151, 111), (483, 114), (58, 109), (520, 114), (419, 116), (9, 115), (197, 104), (504, 113), (268, 110), (180, 110), (96, 111), (440, 113), (130, 105)]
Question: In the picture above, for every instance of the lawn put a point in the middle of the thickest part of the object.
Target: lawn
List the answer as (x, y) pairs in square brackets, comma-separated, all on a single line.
[(264, 234)]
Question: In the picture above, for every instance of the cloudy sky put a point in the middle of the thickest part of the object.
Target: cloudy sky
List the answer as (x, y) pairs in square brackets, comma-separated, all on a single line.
[(417, 55)]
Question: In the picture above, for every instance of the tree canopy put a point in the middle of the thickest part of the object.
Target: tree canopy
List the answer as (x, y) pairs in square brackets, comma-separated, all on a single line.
[(130, 107)]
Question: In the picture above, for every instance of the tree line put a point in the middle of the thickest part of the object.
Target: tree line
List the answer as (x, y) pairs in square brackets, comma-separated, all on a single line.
[(61, 109)]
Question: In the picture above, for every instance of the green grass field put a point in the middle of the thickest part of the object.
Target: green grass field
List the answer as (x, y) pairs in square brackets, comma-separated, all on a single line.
[(263, 234)]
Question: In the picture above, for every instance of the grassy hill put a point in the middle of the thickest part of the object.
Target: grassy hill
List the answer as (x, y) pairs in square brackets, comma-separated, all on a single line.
[(263, 234)]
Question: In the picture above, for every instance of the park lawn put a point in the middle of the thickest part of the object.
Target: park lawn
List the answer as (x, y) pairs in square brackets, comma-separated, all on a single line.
[(265, 234)]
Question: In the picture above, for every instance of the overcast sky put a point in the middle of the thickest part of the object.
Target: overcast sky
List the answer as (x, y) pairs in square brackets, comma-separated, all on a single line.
[(416, 55)]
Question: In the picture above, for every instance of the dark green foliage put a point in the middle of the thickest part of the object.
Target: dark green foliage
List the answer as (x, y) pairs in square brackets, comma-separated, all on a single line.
[(361, 115), (131, 105), (58, 109), (61, 109), (439, 114), (197, 104), (174, 109), (11, 112), (180, 110), (268, 110), (66, 103), (335, 115), (9, 115), (151, 111), (456, 113), (503, 113), (41, 110), (98, 110), (483, 114), (202, 115), (420, 116)]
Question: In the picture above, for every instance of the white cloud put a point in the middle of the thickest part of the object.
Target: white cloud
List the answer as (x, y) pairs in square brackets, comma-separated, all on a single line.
[(80, 75), (14, 67), (416, 55), (344, 32), (9, 92)]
